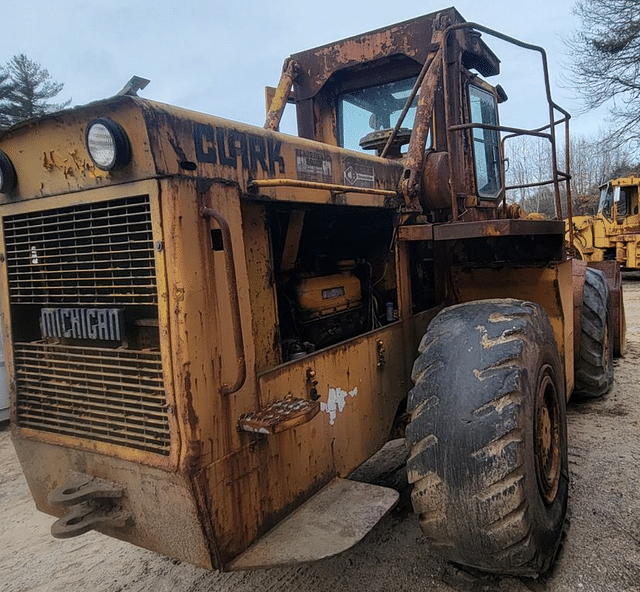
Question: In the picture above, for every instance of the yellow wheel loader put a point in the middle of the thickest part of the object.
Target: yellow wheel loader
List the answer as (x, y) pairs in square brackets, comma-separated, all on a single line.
[(613, 234), (209, 326)]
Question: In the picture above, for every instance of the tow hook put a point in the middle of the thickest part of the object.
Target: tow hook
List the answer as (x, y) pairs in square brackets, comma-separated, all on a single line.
[(92, 502)]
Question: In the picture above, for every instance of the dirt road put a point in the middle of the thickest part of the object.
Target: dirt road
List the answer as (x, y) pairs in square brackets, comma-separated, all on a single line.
[(601, 551)]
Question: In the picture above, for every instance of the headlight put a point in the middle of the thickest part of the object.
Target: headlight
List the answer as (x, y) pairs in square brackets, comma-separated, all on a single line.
[(107, 144), (8, 179)]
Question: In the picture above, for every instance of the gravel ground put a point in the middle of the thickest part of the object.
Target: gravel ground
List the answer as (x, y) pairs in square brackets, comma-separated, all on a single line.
[(600, 553)]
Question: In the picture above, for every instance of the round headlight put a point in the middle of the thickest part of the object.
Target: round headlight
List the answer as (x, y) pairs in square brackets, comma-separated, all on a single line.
[(8, 179), (108, 144)]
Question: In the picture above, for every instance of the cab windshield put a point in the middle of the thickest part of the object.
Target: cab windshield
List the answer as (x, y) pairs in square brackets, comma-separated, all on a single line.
[(375, 108)]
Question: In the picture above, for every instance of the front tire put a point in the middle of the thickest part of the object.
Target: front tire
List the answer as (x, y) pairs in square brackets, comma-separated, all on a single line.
[(488, 437)]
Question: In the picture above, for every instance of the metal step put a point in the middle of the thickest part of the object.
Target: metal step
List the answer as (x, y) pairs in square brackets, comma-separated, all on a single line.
[(334, 519), (279, 416)]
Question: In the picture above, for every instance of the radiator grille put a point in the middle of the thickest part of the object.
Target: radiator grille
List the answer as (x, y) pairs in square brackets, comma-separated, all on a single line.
[(91, 254), (107, 395), (88, 255)]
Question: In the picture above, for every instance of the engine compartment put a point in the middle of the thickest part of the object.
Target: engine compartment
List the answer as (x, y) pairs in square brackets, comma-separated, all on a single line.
[(335, 273)]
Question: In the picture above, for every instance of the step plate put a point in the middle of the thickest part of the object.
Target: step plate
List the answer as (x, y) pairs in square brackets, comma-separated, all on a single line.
[(279, 416), (333, 520)]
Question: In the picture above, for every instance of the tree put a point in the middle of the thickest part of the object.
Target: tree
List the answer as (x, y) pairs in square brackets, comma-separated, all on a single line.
[(606, 62), (5, 91), (27, 89), (530, 162)]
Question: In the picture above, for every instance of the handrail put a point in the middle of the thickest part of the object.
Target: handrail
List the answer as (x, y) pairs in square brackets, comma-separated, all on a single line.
[(501, 128), (332, 187), (407, 105), (551, 136)]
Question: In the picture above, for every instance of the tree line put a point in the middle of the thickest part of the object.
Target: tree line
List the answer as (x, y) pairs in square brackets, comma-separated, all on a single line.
[(604, 70), (592, 162)]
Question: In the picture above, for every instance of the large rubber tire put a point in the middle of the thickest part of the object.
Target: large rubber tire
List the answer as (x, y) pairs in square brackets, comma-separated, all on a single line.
[(488, 437), (594, 359)]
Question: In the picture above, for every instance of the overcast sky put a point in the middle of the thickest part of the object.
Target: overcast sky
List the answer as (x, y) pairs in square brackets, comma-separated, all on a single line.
[(218, 56)]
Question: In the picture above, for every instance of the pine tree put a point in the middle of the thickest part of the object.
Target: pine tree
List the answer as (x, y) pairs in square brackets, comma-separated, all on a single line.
[(27, 90), (5, 91)]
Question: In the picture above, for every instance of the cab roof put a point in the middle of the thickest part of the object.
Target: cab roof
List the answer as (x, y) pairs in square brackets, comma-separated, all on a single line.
[(408, 39)]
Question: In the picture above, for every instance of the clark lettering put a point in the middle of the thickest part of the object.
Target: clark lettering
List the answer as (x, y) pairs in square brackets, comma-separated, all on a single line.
[(228, 146)]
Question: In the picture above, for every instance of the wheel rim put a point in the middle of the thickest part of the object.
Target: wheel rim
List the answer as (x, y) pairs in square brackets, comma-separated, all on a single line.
[(547, 436)]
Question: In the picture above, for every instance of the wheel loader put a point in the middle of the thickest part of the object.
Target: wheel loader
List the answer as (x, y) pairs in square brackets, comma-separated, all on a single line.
[(613, 234), (209, 325)]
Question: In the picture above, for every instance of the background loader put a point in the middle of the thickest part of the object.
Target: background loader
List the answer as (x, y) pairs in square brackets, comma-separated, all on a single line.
[(613, 234)]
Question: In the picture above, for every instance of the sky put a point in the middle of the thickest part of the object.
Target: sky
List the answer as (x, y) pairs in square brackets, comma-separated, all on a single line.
[(217, 56)]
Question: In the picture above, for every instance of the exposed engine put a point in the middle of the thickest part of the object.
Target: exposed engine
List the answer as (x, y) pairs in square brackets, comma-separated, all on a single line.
[(328, 309), (335, 280)]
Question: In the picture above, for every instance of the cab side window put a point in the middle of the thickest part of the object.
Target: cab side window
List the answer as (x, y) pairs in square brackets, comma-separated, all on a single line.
[(486, 150)]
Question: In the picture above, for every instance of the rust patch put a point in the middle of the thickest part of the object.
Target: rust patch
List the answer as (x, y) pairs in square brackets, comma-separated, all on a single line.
[(191, 415), (48, 161), (203, 505)]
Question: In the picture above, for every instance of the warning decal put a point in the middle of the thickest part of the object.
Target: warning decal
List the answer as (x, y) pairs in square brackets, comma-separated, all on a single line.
[(358, 174), (313, 166)]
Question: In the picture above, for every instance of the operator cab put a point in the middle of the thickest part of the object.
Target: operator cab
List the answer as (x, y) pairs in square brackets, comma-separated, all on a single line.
[(366, 118), (364, 94), (618, 201)]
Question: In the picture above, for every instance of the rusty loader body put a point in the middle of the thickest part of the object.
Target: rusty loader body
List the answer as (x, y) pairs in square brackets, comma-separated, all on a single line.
[(209, 325)]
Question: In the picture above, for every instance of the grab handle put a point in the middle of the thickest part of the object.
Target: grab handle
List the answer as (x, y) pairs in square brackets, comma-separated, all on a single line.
[(230, 267)]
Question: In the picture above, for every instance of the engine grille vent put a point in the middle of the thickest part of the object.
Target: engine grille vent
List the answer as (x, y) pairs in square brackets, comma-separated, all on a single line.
[(90, 254), (106, 395)]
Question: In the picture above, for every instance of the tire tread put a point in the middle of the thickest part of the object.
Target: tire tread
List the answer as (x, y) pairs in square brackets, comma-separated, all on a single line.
[(470, 483), (594, 358)]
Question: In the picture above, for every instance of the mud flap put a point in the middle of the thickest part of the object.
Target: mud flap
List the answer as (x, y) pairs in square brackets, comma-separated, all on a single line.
[(334, 519)]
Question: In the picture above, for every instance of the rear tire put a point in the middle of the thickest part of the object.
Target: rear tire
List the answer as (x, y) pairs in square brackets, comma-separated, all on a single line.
[(594, 359), (487, 435)]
